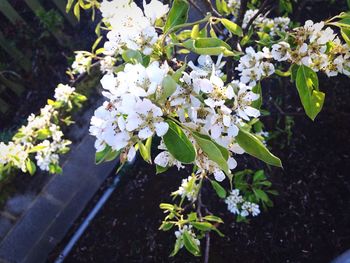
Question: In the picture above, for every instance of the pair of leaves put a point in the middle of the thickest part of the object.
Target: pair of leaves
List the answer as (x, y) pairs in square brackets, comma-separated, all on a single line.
[(145, 150), (308, 89)]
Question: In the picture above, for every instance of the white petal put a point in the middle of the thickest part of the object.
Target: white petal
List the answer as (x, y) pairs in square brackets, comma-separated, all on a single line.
[(232, 164), (145, 133), (133, 122), (219, 175), (131, 154), (250, 111), (216, 131), (162, 159), (161, 128)]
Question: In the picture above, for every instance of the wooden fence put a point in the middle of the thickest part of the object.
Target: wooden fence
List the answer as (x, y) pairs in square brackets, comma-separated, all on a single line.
[(20, 59)]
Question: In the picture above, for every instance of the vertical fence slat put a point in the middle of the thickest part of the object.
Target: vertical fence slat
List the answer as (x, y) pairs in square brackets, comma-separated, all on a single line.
[(17, 55), (7, 10), (61, 5), (36, 7)]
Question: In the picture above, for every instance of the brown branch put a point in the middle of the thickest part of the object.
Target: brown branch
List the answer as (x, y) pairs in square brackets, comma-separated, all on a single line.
[(211, 8), (200, 10)]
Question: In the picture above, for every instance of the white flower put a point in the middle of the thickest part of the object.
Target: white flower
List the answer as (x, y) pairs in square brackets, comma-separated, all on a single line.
[(63, 92), (165, 159), (249, 207), (233, 201), (243, 101), (155, 10), (188, 189), (146, 119), (280, 51)]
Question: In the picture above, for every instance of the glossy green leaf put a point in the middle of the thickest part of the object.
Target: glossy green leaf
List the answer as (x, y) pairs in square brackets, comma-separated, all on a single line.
[(76, 11), (310, 96), (212, 150), (145, 150), (31, 167), (177, 247), (178, 14), (209, 46), (261, 195), (213, 218), (256, 148), (190, 244), (220, 191), (177, 143), (232, 27), (160, 169)]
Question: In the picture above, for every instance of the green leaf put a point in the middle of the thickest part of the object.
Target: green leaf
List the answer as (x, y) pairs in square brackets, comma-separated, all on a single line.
[(69, 5), (212, 150), (259, 176), (213, 218), (37, 148), (178, 14), (178, 73), (310, 96), (169, 87), (260, 194), (221, 192), (256, 148), (257, 103), (145, 150), (43, 134), (98, 40), (177, 143), (132, 56), (346, 35), (177, 247), (76, 11), (166, 226), (195, 31), (160, 169), (190, 244), (222, 7), (166, 206), (108, 154), (232, 27), (203, 226), (209, 46), (31, 167)]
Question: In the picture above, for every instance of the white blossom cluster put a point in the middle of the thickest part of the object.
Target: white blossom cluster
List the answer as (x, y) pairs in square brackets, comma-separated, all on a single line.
[(238, 206), (189, 229), (189, 189), (254, 66), (82, 62), (234, 5), (264, 24), (41, 136), (130, 27), (312, 50)]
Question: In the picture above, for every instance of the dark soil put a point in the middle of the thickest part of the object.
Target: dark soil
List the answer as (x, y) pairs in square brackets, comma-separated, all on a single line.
[(310, 221)]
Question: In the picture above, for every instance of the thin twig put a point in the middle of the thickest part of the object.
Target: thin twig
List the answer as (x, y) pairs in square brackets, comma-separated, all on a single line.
[(211, 7), (261, 10), (207, 247)]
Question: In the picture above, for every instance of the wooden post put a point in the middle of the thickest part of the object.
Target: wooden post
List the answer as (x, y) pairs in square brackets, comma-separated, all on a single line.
[(17, 55), (69, 16), (7, 10)]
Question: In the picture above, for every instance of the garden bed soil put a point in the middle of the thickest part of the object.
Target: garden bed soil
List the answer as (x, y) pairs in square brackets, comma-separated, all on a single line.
[(310, 221)]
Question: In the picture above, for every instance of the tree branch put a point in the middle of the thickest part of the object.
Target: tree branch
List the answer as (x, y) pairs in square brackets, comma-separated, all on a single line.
[(207, 247), (264, 7)]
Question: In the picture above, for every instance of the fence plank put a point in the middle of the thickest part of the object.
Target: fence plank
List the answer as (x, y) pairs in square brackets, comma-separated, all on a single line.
[(61, 5), (10, 12), (17, 55), (36, 7)]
